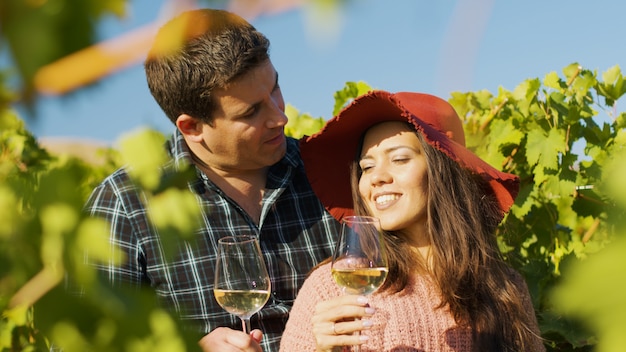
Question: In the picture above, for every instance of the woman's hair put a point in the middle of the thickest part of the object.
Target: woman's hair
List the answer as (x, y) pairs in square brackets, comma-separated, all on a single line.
[(467, 267), (214, 47)]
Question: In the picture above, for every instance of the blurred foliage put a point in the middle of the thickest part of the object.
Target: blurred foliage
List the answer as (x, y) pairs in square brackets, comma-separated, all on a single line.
[(563, 135), (299, 124), (44, 235), (38, 32)]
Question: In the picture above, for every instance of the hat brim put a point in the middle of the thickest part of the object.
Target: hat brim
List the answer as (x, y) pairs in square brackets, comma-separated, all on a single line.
[(327, 155)]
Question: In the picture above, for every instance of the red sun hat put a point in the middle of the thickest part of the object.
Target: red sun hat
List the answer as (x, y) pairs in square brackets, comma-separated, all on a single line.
[(327, 155)]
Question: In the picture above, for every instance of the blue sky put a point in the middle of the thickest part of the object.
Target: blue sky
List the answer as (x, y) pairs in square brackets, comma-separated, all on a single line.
[(435, 47)]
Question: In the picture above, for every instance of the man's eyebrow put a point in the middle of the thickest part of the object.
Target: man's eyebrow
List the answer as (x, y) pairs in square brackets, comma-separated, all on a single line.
[(255, 105)]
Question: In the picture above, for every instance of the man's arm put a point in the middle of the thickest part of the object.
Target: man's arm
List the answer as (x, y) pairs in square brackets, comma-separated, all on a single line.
[(118, 203)]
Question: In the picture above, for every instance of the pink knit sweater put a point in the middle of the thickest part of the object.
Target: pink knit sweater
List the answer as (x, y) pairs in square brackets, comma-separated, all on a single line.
[(408, 321)]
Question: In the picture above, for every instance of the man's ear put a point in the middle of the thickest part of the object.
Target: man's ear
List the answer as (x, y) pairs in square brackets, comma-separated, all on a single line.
[(190, 127)]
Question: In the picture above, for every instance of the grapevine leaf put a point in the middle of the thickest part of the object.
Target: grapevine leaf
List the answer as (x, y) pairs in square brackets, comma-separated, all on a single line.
[(588, 203), (620, 121), (613, 75), (572, 70), (534, 146), (550, 148), (92, 237), (300, 125), (558, 102), (9, 213), (175, 209), (613, 86), (613, 177), (582, 84), (144, 153), (552, 80), (525, 93), (521, 210), (599, 276), (540, 175), (57, 220), (350, 91), (461, 104), (18, 315), (502, 133)]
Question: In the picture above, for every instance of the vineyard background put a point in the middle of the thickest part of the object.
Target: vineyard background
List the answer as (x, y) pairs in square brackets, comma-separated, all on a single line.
[(564, 232), (562, 133)]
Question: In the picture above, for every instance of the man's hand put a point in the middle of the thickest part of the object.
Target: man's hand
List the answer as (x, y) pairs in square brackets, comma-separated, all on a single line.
[(226, 340)]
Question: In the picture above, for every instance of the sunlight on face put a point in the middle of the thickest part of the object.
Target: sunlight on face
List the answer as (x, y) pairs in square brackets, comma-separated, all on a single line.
[(394, 180), (247, 132)]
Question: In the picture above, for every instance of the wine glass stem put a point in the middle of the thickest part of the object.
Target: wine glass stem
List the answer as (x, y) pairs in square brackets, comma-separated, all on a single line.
[(245, 324)]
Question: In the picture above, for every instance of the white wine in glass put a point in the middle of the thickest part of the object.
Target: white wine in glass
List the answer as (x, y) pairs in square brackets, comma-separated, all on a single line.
[(242, 285), (359, 264)]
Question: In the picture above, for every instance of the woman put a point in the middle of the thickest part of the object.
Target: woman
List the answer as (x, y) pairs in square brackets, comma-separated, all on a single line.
[(448, 288)]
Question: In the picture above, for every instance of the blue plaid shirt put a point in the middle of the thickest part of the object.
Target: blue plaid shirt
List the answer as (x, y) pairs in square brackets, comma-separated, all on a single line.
[(295, 234)]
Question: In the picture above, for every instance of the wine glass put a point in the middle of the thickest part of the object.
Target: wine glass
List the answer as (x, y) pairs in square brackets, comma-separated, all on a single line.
[(242, 284), (359, 264)]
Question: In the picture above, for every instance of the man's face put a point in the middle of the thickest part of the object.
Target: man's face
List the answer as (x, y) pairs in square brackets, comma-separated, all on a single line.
[(247, 131)]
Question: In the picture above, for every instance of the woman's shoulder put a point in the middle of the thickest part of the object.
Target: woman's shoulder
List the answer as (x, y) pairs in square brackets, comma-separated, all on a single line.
[(321, 272)]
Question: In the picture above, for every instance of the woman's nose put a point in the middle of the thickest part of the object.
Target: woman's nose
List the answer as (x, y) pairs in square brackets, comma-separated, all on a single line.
[(380, 175)]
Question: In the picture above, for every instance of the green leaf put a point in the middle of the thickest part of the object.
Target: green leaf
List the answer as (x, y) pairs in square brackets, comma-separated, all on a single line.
[(175, 209), (581, 86), (572, 70), (17, 315), (350, 91), (552, 80), (593, 290), (502, 133), (613, 86), (534, 146), (544, 150), (558, 101), (144, 152), (556, 188), (300, 125), (525, 93), (92, 237), (527, 202), (9, 215)]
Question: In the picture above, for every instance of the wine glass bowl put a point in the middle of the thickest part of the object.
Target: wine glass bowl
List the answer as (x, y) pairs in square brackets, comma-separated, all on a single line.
[(359, 264), (242, 284), (357, 279)]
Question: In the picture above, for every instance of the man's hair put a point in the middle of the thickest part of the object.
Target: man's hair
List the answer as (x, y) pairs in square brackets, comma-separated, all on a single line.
[(197, 52)]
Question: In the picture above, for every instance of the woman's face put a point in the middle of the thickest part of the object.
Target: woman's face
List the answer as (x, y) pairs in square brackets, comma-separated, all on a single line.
[(394, 181)]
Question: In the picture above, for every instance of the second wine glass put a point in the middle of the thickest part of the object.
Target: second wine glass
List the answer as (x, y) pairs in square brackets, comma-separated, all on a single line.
[(242, 284), (359, 264)]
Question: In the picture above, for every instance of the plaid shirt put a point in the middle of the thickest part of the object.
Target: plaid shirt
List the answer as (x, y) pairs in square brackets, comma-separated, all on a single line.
[(295, 234)]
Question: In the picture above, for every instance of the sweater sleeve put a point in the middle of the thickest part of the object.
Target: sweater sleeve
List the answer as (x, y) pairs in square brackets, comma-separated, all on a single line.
[(298, 334)]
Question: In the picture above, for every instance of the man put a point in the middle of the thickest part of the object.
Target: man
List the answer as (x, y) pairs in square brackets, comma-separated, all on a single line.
[(216, 83)]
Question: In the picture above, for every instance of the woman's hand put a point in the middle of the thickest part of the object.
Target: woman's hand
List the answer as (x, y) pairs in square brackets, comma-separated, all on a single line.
[(227, 340), (336, 320)]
